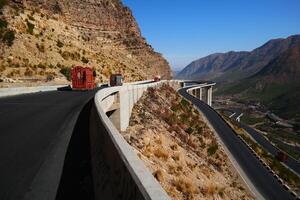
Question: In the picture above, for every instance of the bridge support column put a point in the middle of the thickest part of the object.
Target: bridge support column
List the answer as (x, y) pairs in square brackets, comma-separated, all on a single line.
[(209, 96), (194, 92), (200, 94)]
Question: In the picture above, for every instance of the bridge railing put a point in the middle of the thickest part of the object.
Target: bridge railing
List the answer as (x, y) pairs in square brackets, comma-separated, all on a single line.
[(118, 172)]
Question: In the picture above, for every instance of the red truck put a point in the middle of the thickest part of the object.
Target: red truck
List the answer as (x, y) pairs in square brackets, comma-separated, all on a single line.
[(83, 78), (281, 156), (156, 78)]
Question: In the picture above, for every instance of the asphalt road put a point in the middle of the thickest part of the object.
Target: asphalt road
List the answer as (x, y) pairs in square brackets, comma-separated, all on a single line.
[(263, 181), (261, 140), (35, 130), (291, 162)]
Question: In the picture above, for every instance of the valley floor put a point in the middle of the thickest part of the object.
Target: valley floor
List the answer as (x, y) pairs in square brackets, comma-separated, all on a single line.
[(258, 116)]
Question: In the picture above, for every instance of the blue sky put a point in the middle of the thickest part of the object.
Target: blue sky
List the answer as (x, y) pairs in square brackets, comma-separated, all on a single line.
[(184, 30)]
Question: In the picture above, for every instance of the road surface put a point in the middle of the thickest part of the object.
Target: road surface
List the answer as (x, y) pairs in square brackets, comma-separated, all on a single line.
[(291, 162), (267, 145), (35, 130), (263, 181)]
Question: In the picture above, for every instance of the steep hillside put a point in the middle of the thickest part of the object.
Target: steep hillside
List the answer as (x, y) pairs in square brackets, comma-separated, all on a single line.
[(211, 66), (180, 149), (233, 66), (276, 85), (43, 37)]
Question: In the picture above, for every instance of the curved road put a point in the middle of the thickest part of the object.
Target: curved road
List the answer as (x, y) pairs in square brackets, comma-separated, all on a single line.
[(263, 181), (267, 145), (291, 162), (35, 130)]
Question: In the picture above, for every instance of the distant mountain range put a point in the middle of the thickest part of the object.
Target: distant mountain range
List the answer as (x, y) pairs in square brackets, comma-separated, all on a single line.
[(269, 74), (232, 66), (277, 84)]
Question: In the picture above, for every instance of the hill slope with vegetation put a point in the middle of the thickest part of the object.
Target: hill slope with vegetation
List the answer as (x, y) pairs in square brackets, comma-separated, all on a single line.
[(277, 85), (179, 148)]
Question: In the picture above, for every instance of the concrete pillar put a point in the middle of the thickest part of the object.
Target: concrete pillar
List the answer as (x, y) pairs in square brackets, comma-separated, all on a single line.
[(205, 95), (125, 104), (209, 96), (194, 92), (200, 95), (115, 118)]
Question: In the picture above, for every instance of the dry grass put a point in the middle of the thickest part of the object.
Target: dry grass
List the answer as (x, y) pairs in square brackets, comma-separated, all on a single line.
[(185, 185), (179, 159), (158, 174), (161, 153), (210, 189)]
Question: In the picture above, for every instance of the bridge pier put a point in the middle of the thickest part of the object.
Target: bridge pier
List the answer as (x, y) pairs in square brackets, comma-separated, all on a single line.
[(205, 95)]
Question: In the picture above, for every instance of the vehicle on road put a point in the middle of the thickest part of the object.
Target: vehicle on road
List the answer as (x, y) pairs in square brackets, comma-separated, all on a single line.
[(157, 78), (281, 156), (116, 80), (83, 78)]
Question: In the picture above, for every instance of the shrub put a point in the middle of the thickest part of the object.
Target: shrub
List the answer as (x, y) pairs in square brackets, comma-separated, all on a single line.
[(40, 47), (186, 186), (189, 130), (59, 44), (66, 71), (57, 8), (3, 24), (9, 37), (30, 17), (212, 149), (30, 27), (185, 103), (2, 3), (161, 153), (28, 72), (84, 60), (41, 65)]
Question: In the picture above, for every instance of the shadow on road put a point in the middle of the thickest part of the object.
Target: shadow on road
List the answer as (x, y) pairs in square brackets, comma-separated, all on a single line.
[(76, 181)]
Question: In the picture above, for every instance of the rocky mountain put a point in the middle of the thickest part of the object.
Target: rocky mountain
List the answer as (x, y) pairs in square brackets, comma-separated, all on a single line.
[(233, 66), (285, 68), (211, 66), (277, 84), (42, 37)]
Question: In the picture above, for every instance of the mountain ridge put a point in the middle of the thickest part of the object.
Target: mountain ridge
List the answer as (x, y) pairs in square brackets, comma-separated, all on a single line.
[(242, 65), (276, 85)]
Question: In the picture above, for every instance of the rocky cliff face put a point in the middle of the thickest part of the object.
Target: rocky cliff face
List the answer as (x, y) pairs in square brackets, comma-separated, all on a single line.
[(50, 35)]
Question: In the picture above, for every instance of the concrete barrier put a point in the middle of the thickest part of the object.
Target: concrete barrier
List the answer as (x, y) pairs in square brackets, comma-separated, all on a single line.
[(118, 172), (26, 90)]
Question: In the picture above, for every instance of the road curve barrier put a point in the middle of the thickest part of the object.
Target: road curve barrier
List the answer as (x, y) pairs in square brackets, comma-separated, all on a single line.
[(26, 90), (118, 173)]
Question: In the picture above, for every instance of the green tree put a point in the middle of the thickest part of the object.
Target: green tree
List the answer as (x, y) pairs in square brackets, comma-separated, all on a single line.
[(66, 71), (9, 37), (30, 27)]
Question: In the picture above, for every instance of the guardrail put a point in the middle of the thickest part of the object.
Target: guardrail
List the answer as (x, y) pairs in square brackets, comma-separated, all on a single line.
[(26, 90), (118, 172)]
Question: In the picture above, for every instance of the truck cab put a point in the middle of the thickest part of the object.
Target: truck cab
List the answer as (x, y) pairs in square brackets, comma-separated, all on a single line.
[(82, 78), (116, 80)]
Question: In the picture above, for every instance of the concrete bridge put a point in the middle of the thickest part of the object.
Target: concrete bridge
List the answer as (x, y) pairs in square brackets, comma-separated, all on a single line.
[(88, 136), (109, 115), (203, 92)]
